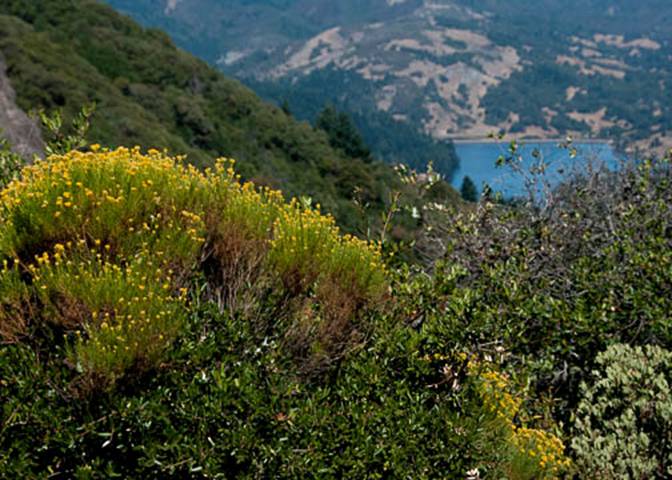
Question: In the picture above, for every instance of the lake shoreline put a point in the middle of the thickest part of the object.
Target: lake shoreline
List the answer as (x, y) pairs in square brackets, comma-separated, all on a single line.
[(584, 141), (478, 161)]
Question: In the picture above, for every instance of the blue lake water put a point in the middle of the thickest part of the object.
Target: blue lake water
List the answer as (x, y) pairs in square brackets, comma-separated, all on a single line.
[(478, 161)]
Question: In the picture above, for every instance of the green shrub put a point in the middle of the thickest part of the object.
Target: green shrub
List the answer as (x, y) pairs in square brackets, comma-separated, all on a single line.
[(14, 302), (623, 425), (160, 322), (550, 284), (226, 404), (123, 317)]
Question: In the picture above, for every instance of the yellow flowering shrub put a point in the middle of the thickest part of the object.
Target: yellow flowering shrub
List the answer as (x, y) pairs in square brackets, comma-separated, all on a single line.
[(121, 197), (250, 209), (123, 315), (105, 244), (240, 222), (357, 264), (302, 239), (533, 453)]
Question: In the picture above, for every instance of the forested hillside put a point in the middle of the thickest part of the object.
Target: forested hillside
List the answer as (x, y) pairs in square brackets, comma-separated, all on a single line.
[(449, 68), (64, 55), (219, 39)]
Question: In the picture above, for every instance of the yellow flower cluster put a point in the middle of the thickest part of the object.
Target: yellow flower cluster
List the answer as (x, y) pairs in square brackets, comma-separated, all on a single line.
[(304, 240), (122, 314), (249, 209), (108, 195), (116, 233), (539, 447), (548, 450), (496, 396)]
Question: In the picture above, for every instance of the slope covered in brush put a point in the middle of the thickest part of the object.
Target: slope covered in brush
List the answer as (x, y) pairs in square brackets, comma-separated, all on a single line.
[(161, 322), (66, 54)]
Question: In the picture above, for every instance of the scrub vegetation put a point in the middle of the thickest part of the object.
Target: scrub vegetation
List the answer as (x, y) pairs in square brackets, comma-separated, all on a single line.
[(163, 317)]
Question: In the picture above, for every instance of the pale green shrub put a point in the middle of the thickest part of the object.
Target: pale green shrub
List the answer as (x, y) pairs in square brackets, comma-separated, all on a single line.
[(624, 420)]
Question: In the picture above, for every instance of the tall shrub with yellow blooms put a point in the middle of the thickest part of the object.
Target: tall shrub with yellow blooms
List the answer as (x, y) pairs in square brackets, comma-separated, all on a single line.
[(104, 245), (533, 453)]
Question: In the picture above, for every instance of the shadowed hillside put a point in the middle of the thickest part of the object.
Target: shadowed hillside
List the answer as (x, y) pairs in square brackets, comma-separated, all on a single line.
[(67, 54)]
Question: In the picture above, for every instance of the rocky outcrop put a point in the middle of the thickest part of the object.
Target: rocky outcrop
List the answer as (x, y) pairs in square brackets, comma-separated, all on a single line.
[(22, 132)]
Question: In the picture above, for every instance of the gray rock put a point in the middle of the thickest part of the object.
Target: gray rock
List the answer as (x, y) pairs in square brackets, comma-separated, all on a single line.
[(22, 132)]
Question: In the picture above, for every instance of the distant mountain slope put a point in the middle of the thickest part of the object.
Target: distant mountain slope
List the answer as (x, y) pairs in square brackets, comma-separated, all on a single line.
[(65, 53), (455, 68), (246, 39)]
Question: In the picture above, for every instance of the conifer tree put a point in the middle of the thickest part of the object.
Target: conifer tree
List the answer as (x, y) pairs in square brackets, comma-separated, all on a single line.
[(468, 190), (342, 132)]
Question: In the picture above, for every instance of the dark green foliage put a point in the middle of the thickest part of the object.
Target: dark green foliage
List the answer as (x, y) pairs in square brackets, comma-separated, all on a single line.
[(225, 405), (61, 140), (10, 163), (468, 190), (552, 286), (65, 55), (342, 133), (284, 106)]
